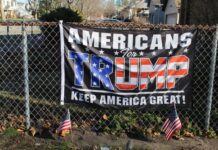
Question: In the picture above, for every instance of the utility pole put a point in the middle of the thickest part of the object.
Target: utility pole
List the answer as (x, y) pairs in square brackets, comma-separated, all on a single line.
[(2, 10)]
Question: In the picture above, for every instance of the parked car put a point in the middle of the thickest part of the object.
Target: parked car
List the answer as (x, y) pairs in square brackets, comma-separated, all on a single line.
[(108, 20)]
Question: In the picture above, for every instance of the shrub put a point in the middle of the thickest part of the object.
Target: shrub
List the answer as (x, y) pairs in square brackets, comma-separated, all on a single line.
[(65, 14), (50, 39)]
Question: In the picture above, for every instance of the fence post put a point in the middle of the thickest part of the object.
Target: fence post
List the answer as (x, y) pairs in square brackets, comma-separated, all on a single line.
[(211, 80), (62, 61), (26, 76), (8, 28)]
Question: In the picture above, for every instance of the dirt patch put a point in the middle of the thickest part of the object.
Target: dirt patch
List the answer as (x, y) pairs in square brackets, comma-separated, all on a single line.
[(90, 140)]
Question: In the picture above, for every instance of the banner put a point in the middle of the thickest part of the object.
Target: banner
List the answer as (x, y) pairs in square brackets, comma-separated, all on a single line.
[(126, 68)]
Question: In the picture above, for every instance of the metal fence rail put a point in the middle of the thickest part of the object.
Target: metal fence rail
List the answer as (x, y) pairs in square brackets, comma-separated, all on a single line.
[(30, 79)]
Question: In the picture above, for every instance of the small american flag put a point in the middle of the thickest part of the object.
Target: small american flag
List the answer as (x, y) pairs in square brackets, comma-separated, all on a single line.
[(172, 124), (66, 123)]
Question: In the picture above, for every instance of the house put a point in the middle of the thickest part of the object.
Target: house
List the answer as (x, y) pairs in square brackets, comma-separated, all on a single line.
[(165, 11), (156, 11), (172, 12), (135, 11), (13, 9), (22, 12), (9, 7)]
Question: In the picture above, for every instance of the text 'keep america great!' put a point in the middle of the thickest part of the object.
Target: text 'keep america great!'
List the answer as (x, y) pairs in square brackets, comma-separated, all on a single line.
[(117, 68)]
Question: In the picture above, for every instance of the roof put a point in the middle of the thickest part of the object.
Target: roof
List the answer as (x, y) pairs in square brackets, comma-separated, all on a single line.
[(155, 2)]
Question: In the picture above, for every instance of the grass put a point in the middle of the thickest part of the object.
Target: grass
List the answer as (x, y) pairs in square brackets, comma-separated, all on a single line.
[(10, 132), (119, 122), (42, 108), (18, 19), (11, 139), (35, 101), (64, 145)]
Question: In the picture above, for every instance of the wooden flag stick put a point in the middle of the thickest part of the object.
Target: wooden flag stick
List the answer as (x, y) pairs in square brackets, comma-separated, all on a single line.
[(71, 133)]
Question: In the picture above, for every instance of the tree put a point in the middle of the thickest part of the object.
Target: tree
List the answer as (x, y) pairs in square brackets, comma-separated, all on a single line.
[(199, 12), (33, 6), (45, 6), (2, 10), (125, 2), (110, 9), (62, 13), (90, 9), (204, 12), (51, 37)]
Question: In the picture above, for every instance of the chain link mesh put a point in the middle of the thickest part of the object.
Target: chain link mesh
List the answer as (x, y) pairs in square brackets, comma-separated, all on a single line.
[(44, 82), (11, 74)]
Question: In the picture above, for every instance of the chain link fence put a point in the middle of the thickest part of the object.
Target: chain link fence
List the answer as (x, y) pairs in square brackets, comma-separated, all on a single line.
[(43, 49)]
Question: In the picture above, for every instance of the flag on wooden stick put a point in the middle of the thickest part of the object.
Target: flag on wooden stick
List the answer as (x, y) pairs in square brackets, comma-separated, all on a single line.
[(172, 124), (65, 125)]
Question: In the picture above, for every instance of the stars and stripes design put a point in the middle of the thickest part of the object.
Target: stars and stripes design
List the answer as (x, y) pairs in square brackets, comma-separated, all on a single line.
[(172, 124), (178, 67), (79, 59), (65, 124), (148, 70), (101, 68), (120, 73)]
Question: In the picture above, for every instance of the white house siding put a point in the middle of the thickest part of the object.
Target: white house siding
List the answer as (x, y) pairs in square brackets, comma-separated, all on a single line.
[(171, 13), (9, 4), (171, 19), (9, 7), (151, 8)]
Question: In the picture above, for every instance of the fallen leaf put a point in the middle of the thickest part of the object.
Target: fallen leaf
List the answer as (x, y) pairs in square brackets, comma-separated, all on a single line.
[(182, 139), (74, 125), (188, 134), (64, 133), (2, 129), (20, 131), (21, 119), (105, 117), (156, 133), (148, 131), (37, 144), (176, 137), (46, 125), (83, 124), (32, 131)]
